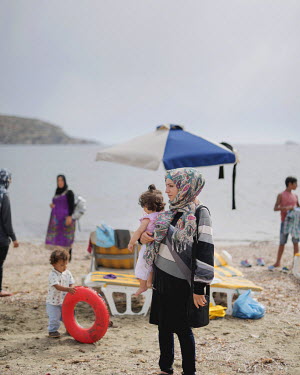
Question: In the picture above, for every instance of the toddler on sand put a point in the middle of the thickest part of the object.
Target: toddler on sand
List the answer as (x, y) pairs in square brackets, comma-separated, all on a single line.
[(152, 203), (60, 283)]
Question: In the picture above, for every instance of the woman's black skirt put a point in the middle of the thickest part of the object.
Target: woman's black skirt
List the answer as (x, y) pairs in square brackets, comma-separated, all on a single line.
[(170, 301)]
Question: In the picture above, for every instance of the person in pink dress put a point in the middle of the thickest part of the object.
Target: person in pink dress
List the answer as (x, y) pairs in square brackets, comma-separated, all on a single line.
[(285, 202), (152, 203)]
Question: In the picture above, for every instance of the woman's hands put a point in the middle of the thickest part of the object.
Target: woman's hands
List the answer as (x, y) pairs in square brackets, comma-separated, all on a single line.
[(68, 220), (199, 300), (146, 237), (52, 205)]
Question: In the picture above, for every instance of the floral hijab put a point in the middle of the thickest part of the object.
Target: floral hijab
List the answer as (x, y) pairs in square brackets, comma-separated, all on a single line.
[(189, 183), (5, 178)]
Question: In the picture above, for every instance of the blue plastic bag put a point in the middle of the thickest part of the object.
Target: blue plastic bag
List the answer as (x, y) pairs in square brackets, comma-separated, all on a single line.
[(246, 308), (105, 236)]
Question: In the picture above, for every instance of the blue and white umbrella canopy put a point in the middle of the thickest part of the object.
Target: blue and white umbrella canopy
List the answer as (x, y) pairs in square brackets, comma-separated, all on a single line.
[(169, 144)]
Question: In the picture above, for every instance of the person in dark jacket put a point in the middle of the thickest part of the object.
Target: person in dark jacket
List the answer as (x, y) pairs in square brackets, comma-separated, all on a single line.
[(61, 228), (178, 234), (6, 230)]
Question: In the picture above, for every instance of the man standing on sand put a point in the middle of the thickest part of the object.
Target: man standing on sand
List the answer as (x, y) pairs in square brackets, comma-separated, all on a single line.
[(6, 229), (286, 201)]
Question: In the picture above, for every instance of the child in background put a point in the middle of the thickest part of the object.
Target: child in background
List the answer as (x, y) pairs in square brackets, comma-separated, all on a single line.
[(152, 203), (285, 202), (60, 283)]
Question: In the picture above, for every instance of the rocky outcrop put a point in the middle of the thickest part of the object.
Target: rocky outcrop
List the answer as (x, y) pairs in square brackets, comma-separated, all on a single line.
[(18, 130)]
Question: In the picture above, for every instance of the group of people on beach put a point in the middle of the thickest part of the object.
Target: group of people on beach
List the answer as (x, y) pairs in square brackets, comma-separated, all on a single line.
[(176, 259)]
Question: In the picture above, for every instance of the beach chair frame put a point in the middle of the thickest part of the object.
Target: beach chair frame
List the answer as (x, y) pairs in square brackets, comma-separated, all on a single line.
[(228, 280), (124, 283)]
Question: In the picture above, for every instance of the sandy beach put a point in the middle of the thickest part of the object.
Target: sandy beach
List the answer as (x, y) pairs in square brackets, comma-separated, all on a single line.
[(227, 346)]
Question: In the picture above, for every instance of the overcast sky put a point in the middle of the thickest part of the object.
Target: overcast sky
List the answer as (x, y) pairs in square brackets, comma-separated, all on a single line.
[(112, 70)]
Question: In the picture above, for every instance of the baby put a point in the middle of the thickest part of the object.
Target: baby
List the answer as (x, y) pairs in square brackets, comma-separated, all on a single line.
[(152, 203)]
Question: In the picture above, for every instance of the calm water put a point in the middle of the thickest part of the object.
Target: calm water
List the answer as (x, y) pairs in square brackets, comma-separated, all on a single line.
[(112, 190)]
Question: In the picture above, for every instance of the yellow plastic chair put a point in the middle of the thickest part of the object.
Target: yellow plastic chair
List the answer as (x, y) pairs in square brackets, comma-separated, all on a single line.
[(112, 257)]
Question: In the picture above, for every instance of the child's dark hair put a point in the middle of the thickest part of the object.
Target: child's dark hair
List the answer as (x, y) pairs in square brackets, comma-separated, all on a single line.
[(58, 255), (152, 199), (290, 180)]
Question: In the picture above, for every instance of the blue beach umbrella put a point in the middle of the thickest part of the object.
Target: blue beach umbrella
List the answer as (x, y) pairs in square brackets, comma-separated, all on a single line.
[(174, 147)]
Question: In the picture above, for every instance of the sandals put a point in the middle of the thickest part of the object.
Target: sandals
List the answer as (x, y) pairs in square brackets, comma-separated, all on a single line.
[(245, 263), (283, 269), (260, 262)]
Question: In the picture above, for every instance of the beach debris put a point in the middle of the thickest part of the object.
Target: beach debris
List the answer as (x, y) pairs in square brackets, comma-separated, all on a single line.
[(267, 360), (262, 364), (136, 351), (75, 361)]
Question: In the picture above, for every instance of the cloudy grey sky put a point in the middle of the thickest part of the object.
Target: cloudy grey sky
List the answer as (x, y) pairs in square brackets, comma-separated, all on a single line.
[(111, 70)]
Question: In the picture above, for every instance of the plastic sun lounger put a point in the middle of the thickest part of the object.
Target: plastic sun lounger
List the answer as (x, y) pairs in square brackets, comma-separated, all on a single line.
[(123, 283), (103, 260), (231, 286), (228, 280)]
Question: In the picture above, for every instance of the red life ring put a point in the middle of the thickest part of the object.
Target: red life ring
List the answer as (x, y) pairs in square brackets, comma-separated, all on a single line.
[(98, 329)]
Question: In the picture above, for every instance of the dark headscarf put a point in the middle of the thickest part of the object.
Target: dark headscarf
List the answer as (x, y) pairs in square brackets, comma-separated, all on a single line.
[(5, 177), (58, 190)]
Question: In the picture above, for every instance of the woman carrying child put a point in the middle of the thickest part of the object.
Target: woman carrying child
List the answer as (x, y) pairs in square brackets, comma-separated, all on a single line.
[(152, 203), (172, 248)]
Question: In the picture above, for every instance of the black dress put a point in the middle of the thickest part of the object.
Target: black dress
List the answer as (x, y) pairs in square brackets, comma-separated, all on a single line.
[(170, 299)]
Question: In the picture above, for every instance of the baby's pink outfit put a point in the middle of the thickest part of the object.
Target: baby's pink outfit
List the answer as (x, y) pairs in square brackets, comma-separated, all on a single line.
[(142, 269)]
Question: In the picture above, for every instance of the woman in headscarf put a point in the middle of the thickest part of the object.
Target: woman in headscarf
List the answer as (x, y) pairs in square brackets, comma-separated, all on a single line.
[(6, 230), (175, 240), (61, 228)]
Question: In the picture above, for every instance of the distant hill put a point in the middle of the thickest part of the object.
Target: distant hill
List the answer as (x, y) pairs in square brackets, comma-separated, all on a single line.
[(19, 130), (291, 143)]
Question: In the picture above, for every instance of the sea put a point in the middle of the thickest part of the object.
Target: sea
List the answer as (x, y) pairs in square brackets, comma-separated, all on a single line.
[(112, 190)]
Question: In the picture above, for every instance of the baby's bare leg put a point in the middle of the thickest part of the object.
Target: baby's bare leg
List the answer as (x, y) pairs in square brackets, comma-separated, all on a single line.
[(143, 287)]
